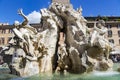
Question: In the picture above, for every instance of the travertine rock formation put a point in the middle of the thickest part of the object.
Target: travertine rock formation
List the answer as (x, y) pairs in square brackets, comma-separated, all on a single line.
[(62, 45)]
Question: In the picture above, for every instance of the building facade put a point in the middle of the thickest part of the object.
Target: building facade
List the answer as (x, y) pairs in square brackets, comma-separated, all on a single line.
[(5, 34), (112, 24)]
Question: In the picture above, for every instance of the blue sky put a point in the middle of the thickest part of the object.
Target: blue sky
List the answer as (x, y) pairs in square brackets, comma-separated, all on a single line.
[(8, 8)]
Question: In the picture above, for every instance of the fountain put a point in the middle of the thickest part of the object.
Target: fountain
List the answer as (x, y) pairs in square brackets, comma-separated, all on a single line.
[(63, 45)]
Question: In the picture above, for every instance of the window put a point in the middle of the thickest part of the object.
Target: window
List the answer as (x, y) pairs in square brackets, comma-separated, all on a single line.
[(2, 40), (109, 26), (119, 33), (118, 26), (10, 31), (0, 31), (109, 33), (111, 40), (3, 31), (119, 41)]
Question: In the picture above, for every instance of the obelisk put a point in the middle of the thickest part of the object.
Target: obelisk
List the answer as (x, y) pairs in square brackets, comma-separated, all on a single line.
[(65, 2), (62, 1)]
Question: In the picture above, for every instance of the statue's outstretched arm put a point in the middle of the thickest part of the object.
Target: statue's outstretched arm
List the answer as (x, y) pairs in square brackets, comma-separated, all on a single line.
[(25, 22), (102, 31)]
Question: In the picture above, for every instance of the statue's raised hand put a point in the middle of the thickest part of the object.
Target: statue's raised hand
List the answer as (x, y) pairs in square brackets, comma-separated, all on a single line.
[(20, 11)]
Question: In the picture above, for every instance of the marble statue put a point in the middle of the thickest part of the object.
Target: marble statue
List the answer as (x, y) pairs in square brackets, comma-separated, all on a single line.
[(63, 45), (98, 36), (99, 33)]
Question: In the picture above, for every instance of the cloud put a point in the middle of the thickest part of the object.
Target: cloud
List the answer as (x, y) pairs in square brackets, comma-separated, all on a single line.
[(34, 17)]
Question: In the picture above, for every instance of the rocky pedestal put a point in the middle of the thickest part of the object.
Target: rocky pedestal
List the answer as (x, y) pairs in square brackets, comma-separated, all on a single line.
[(62, 45)]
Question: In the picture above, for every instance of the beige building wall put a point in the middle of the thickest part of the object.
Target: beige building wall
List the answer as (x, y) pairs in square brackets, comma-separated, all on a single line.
[(115, 36), (5, 36)]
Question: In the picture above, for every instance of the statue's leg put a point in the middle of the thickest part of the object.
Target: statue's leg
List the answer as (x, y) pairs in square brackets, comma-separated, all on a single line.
[(107, 52), (93, 38)]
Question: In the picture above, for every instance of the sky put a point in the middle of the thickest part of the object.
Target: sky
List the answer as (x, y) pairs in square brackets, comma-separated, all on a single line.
[(31, 8)]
